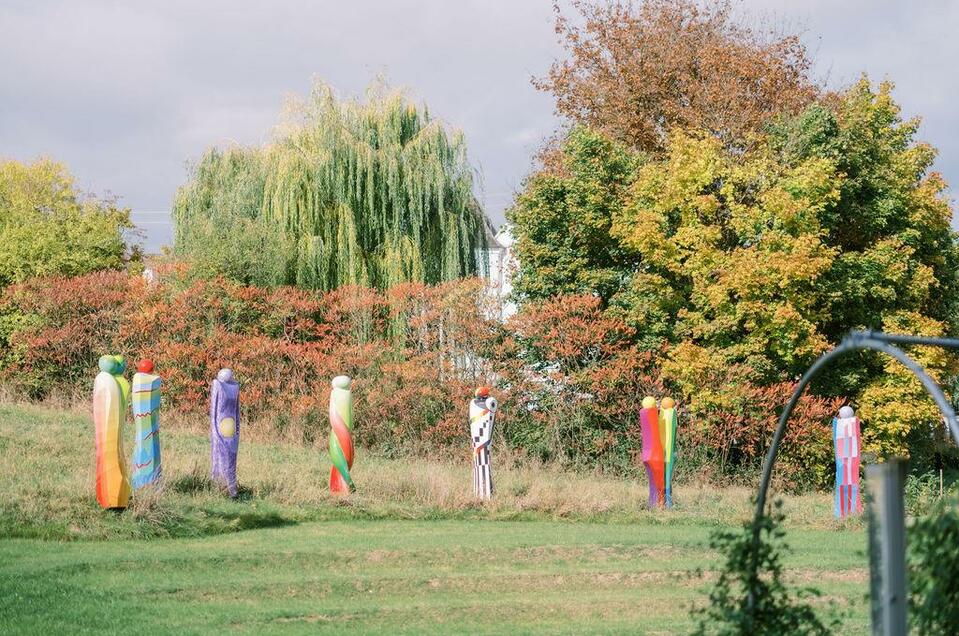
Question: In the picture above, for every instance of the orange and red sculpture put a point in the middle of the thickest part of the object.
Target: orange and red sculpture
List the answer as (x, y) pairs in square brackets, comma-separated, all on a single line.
[(658, 427)]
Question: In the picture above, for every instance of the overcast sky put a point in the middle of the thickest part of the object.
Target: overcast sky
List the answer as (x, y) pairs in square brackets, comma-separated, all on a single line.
[(126, 92)]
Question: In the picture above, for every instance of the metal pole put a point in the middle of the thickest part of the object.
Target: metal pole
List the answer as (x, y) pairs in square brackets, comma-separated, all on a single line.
[(887, 545)]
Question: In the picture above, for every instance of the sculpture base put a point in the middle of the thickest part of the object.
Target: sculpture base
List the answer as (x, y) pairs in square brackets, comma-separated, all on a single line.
[(338, 485)]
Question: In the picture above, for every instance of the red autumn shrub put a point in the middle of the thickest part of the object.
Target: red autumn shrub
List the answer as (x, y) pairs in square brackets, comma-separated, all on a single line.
[(569, 332), (569, 376), (733, 420)]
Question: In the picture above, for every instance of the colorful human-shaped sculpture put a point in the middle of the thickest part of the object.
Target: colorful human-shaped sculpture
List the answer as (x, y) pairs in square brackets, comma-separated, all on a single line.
[(667, 436), (482, 417), (224, 429), (109, 413), (341, 436), (846, 435), (653, 458), (146, 467)]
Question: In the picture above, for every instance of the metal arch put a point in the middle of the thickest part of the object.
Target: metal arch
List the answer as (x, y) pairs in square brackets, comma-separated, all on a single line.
[(855, 341)]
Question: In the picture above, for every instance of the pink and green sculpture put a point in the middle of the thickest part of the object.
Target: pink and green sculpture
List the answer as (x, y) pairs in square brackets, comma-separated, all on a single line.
[(109, 415), (146, 425), (224, 429), (846, 436), (341, 436)]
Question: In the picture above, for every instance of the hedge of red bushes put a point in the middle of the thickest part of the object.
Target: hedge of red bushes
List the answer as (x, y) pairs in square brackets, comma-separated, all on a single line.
[(568, 375)]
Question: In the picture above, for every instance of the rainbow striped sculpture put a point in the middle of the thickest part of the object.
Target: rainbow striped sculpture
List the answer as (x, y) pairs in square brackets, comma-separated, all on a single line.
[(482, 418), (224, 429), (341, 436), (667, 436), (109, 413), (146, 424), (848, 442), (653, 458)]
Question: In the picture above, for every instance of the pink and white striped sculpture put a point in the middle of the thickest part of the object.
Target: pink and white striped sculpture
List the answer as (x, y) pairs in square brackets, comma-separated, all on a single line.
[(847, 439)]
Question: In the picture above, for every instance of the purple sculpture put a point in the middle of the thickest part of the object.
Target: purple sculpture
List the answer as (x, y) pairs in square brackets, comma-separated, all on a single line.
[(224, 429)]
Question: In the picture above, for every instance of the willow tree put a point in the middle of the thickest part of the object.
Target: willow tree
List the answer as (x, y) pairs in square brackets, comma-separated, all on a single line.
[(370, 192)]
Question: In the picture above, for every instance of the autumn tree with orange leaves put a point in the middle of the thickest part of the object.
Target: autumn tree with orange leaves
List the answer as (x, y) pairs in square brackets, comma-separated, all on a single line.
[(635, 72)]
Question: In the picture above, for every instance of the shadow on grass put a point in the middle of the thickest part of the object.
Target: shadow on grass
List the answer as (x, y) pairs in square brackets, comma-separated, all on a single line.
[(194, 482), (251, 520)]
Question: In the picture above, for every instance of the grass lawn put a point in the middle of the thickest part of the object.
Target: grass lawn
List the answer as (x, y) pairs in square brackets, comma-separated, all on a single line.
[(409, 554)]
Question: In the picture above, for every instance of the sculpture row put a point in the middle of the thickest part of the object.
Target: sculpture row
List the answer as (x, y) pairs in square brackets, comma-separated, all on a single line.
[(112, 396)]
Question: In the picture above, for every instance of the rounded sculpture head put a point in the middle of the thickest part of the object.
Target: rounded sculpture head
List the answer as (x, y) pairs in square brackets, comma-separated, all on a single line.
[(145, 366), (341, 382), (847, 411), (482, 392), (225, 375), (108, 364), (492, 404), (121, 363), (649, 402), (668, 403)]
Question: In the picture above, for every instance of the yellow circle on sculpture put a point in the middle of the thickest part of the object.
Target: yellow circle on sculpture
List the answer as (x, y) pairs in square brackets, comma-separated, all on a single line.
[(668, 403), (649, 402), (227, 427)]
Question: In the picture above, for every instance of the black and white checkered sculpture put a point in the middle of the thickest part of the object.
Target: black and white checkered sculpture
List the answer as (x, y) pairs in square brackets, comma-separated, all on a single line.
[(482, 414)]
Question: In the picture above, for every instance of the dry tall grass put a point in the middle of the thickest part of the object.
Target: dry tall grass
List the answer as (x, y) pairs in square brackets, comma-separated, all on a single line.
[(47, 486)]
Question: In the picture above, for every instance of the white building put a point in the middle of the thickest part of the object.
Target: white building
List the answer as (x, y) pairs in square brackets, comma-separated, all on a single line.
[(497, 265)]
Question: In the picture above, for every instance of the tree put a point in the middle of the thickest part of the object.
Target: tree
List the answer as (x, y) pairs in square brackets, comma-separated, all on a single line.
[(739, 239), (48, 228), (901, 419), (562, 220), (891, 222), (219, 225), (636, 72), (746, 264), (834, 224), (349, 192)]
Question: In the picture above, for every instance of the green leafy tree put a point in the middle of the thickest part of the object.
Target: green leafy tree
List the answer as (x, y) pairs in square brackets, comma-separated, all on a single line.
[(739, 240), (562, 220), (348, 192), (47, 227), (891, 222), (219, 226)]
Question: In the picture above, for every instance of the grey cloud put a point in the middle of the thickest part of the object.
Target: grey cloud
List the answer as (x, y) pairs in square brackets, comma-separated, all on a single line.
[(126, 93)]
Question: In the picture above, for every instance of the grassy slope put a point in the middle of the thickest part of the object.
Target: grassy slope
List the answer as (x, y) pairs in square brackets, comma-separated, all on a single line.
[(409, 554)]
